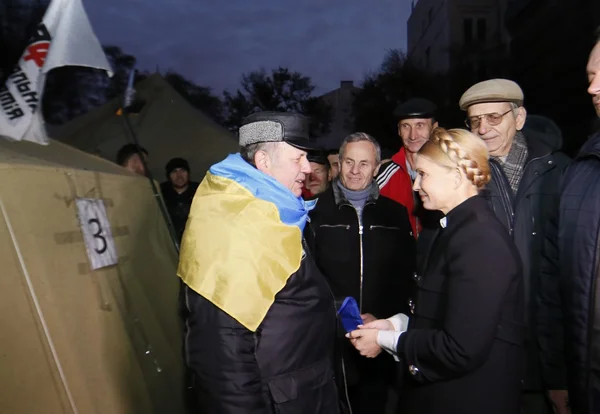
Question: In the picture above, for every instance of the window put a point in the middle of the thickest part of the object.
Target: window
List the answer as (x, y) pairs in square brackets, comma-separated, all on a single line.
[(481, 30), (468, 30)]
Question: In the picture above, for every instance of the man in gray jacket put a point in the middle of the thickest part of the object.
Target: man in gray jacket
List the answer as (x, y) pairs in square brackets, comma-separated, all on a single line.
[(524, 192)]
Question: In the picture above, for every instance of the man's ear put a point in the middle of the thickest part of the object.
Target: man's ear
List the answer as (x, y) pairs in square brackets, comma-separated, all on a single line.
[(262, 161), (435, 125), (376, 170), (521, 117)]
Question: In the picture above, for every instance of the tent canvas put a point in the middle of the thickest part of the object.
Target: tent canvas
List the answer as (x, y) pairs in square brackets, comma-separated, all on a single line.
[(73, 340), (167, 126)]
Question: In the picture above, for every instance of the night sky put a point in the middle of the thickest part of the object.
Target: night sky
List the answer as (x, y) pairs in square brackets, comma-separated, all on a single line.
[(213, 42)]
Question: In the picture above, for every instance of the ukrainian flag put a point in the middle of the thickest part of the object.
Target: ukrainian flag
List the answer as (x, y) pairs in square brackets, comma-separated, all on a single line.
[(243, 240)]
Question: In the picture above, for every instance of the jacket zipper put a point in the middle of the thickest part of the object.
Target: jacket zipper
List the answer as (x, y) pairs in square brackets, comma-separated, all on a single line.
[(346, 226), (504, 191), (360, 235), (516, 198), (505, 188), (525, 168), (384, 227), (533, 231)]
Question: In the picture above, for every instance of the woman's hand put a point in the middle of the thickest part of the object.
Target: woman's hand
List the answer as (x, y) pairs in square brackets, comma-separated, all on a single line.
[(382, 324), (367, 317), (365, 341)]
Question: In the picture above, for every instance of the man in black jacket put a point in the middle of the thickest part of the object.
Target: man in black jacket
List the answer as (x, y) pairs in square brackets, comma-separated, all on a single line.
[(261, 323), (364, 246), (178, 192), (524, 192), (579, 241)]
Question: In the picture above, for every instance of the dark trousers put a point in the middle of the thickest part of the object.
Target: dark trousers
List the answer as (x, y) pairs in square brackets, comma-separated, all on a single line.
[(535, 402), (369, 382), (369, 396)]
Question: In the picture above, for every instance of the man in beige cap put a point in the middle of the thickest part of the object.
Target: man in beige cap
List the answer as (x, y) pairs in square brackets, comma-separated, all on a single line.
[(526, 171)]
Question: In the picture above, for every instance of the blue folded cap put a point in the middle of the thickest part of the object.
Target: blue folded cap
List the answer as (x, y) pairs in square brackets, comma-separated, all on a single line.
[(350, 314)]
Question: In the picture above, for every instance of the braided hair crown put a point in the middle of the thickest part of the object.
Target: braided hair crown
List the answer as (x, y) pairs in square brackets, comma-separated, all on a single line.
[(465, 150)]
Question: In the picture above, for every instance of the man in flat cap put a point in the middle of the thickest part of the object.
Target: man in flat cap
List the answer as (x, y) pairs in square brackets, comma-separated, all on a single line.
[(416, 120), (578, 247), (527, 167), (178, 192), (261, 318), (320, 175)]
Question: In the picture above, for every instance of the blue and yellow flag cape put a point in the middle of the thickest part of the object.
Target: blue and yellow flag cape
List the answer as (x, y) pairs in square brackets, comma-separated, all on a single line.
[(243, 240)]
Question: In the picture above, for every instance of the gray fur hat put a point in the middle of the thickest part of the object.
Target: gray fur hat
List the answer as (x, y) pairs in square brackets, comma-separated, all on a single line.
[(276, 127)]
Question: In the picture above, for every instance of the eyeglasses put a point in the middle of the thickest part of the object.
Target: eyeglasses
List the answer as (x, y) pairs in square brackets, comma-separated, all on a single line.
[(492, 119)]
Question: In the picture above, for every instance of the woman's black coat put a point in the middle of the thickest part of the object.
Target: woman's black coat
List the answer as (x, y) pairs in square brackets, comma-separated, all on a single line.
[(462, 351)]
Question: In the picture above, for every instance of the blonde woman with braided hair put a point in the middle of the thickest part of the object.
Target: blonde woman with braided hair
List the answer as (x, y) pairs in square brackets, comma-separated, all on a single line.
[(461, 343)]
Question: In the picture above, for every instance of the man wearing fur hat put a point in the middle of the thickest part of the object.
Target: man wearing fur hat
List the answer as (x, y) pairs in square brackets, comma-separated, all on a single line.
[(527, 167), (261, 318)]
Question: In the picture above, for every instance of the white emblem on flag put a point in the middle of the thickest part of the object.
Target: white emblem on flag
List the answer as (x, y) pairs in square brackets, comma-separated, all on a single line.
[(64, 37)]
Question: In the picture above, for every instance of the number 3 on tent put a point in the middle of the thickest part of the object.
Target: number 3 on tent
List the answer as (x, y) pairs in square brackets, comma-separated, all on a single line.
[(98, 235)]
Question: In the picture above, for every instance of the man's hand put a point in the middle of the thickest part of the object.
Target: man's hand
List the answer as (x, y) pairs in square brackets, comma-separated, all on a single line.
[(365, 341), (367, 317), (560, 401)]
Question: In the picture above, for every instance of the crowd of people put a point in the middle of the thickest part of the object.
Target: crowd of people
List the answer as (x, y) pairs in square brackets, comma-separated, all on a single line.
[(471, 255)]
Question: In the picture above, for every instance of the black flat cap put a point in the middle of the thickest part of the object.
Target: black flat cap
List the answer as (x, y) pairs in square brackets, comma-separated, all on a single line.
[(320, 157), (286, 127), (415, 108)]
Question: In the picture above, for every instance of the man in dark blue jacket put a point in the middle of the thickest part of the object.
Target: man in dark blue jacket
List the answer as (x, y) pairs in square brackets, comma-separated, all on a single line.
[(579, 241)]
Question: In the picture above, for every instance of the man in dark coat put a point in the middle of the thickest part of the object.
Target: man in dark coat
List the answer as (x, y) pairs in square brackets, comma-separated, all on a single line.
[(261, 317), (178, 192), (524, 192), (579, 242), (364, 246)]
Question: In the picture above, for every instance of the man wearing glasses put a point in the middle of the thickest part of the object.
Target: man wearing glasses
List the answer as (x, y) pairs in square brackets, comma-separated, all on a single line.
[(526, 169)]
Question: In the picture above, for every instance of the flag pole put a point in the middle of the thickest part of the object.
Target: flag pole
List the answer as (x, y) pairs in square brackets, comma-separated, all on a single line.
[(127, 101)]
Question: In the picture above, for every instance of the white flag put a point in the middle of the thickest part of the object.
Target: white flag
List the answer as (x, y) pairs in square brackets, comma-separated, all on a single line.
[(63, 38)]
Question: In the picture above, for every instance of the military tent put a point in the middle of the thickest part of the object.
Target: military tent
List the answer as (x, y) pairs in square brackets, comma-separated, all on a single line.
[(167, 126), (73, 339)]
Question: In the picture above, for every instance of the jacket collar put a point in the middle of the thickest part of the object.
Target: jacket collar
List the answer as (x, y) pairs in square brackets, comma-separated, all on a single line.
[(537, 147), (591, 147), (340, 199), (399, 158)]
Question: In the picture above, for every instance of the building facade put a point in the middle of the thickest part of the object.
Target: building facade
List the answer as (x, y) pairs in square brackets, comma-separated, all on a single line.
[(342, 122), (442, 33), (551, 42)]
